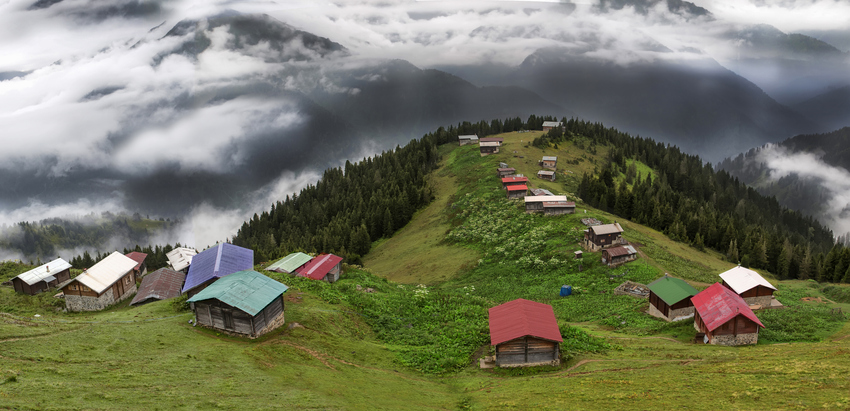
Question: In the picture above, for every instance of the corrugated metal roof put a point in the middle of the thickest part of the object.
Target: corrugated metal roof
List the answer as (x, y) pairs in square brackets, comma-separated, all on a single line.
[(607, 229), (742, 279), (105, 273), (137, 257), (180, 258), (489, 143), (506, 169), (514, 179), (246, 290), (717, 305), (550, 158), (44, 272), (546, 173), (161, 284), (319, 267), (541, 192), (671, 289), (538, 199), (217, 262), (558, 204), (551, 123), (620, 251), (519, 318), (289, 263), (518, 187), (484, 139), (468, 137)]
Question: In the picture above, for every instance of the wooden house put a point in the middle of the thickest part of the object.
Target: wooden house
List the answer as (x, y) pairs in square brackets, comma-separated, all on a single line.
[(546, 175), (490, 147), (289, 263), (214, 263), (550, 162), (499, 140), (109, 281), (552, 208), (541, 192), (525, 333), (161, 284), (517, 191), (323, 267), (603, 236), (549, 205), (504, 172), (514, 180), (180, 258), (750, 286), (43, 277), (670, 298), (245, 303), (724, 317), (548, 125), (467, 139), (578, 254), (140, 270), (616, 256)]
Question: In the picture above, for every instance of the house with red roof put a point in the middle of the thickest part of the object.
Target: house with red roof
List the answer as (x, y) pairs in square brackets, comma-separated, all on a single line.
[(724, 317), (140, 270), (514, 180), (525, 334), (323, 267), (517, 191)]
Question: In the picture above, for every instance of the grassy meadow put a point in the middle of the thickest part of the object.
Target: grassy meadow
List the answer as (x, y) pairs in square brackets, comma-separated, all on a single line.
[(414, 339)]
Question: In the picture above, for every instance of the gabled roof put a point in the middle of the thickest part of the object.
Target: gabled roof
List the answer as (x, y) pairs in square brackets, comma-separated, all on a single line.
[(717, 305), (551, 123), (541, 192), (506, 169), (468, 137), (44, 272), (514, 179), (671, 289), (106, 272), (489, 143), (538, 199), (137, 257), (485, 139), (319, 267), (742, 279), (546, 173), (519, 318), (216, 262), (161, 284), (558, 204), (518, 187), (180, 257), (550, 158), (607, 229), (289, 263), (246, 290), (621, 250)]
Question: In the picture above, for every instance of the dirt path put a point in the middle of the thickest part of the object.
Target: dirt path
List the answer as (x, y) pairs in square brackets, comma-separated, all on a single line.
[(648, 338), (13, 339)]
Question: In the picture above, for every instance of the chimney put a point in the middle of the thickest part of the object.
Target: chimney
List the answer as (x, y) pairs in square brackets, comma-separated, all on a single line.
[(48, 268)]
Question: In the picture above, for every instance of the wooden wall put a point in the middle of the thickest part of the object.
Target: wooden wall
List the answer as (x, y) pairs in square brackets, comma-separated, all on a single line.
[(526, 350), (216, 314)]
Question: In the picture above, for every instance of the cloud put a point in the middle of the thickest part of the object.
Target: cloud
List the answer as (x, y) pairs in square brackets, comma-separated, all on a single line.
[(789, 16)]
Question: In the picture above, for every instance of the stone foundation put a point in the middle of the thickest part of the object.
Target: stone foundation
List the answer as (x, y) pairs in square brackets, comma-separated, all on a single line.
[(84, 303), (270, 327), (675, 315), (763, 301), (732, 340), (553, 363)]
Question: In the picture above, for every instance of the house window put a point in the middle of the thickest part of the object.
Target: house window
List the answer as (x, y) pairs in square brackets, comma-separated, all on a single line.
[(73, 287), (86, 288), (127, 280)]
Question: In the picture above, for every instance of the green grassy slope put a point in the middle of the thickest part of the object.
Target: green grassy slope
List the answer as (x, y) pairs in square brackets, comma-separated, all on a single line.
[(407, 346)]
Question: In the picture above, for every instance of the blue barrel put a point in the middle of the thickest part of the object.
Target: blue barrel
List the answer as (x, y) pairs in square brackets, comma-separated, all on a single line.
[(566, 290)]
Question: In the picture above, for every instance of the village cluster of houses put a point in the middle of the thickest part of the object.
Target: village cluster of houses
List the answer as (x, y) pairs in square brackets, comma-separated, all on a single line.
[(224, 291)]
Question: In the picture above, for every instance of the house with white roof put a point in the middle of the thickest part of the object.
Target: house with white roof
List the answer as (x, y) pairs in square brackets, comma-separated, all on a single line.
[(180, 258), (109, 281), (42, 277), (749, 285)]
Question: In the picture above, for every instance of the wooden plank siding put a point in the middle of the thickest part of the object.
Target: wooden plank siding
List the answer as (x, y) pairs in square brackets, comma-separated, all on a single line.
[(526, 350), (216, 314), (21, 286)]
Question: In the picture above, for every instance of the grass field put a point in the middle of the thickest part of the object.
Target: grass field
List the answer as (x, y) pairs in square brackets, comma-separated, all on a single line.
[(414, 342)]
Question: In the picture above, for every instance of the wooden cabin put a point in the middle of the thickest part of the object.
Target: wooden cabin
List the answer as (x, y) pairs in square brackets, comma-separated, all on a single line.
[(724, 317), (289, 263), (616, 256), (548, 125), (546, 175), (503, 172), (549, 162), (525, 334), (140, 270), (670, 298), (541, 192), (109, 281), (324, 267), (214, 263), (43, 277), (553, 208), (161, 284), (180, 258), (245, 303), (467, 139), (750, 286), (603, 236), (490, 147), (514, 180), (499, 140), (556, 204), (517, 191)]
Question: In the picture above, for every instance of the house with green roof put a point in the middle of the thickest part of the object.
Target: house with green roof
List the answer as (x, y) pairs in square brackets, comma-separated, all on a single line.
[(245, 303), (289, 263), (670, 298)]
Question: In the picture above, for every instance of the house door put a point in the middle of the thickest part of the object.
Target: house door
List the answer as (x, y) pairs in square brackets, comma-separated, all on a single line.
[(228, 319)]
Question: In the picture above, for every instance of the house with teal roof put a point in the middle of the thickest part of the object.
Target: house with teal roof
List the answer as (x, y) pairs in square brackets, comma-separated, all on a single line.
[(670, 298), (245, 303)]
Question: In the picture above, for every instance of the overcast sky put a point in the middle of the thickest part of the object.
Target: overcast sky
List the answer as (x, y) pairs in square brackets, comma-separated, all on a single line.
[(99, 91)]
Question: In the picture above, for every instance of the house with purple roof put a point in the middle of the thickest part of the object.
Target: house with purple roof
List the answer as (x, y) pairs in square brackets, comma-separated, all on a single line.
[(214, 263)]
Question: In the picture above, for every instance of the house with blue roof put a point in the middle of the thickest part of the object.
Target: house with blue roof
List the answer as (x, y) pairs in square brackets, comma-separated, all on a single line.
[(244, 303), (214, 263)]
